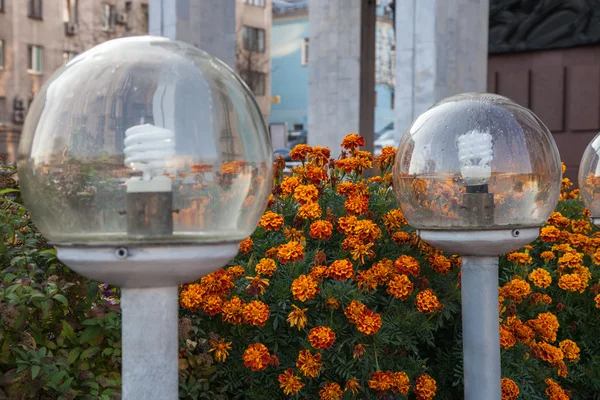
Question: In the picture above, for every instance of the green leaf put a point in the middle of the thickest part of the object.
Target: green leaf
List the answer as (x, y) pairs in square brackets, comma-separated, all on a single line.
[(65, 385), (87, 353), (62, 299), (91, 333), (68, 331), (6, 191), (35, 370), (73, 354)]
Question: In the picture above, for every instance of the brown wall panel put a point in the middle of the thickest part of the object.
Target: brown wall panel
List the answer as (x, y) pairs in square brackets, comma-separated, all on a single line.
[(583, 97), (548, 96), (514, 85)]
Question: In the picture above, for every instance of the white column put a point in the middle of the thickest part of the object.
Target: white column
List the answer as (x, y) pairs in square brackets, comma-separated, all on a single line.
[(207, 24), (441, 50)]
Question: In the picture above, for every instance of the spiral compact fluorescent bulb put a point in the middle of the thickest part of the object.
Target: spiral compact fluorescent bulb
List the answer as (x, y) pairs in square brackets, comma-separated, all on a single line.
[(148, 148), (475, 154)]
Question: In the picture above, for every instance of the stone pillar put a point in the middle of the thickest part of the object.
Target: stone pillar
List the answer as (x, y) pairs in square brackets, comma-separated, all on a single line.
[(441, 50), (341, 71), (207, 24)]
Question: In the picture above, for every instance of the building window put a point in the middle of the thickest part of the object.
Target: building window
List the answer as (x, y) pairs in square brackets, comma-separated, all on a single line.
[(108, 17), (145, 18), (392, 98), (1, 5), (35, 63), (255, 81), (260, 3), (70, 11), (254, 39), (69, 55), (35, 9), (297, 127), (304, 49), (1, 53), (2, 110)]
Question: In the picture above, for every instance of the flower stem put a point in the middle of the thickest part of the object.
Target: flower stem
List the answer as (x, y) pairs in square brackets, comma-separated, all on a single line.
[(375, 352)]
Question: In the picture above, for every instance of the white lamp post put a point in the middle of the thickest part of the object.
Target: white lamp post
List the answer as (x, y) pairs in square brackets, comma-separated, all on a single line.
[(589, 179), (146, 162), (477, 175)]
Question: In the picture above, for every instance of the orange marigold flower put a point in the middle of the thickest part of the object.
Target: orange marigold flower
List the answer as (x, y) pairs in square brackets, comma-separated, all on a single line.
[(332, 303), (547, 256), (291, 234), (266, 266), (321, 229), (407, 265), (359, 351), (507, 339), (380, 381), (400, 382), (401, 237), (425, 387), (346, 224), (220, 348), (233, 311), (596, 257), (290, 383), (319, 155), (217, 283), (352, 386), (235, 271), (297, 317), (271, 221), (289, 184), (578, 240), (549, 234), (554, 391), (387, 157), (540, 278), (570, 260), (522, 332), (545, 325), (519, 258), (304, 287), (341, 270), (562, 248), (547, 352), (362, 160), (394, 220), (361, 250), (427, 301), (300, 151), (516, 290), (256, 357), (366, 280), (331, 391), (440, 263), (310, 211), (353, 141), (510, 390), (316, 175), (569, 349), (257, 285), (256, 313), (400, 287), (272, 252), (345, 188), (309, 364), (357, 205), (212, 304), (355, 311), (366, 230), (290, 252), (319, 272), (581, 226), (572, 283), (321, 337), (369, 323), (246, 245), (540, 298), (597, 301), (192, 296), (558, 220), (306, 194)]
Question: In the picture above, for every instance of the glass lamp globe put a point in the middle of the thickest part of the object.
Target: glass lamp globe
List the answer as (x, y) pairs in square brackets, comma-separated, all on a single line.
[(477, 161), (145, 140), (589, 178)]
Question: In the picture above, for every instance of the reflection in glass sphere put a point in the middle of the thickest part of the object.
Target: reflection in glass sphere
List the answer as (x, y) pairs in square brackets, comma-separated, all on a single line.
[(145, 140), (477, 161), (589, 177)]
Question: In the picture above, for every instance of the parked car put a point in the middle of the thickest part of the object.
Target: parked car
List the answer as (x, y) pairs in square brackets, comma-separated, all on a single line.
[(387, 128), (389, 138), (297, 137), (283, 152)]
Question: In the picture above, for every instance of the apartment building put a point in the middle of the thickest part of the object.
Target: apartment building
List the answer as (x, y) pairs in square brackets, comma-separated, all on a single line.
[(38, 36)]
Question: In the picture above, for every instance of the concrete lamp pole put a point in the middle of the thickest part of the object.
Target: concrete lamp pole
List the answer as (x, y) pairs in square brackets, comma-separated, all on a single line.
[(502, 169), (120, 200)]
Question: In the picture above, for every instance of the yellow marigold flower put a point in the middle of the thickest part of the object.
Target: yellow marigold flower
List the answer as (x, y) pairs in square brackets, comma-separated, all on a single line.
[(540, 278), (545, 325), (266, 266), (554, 391), (597, 300), (596, 257), (233, 311), (516, 290), (321, 229), (540, 298), (290, 252), (290, 383), (570, 260), (400, 382), (304, 287), (256, 357), (572, 283), (310, 211), (289, 184), (369, 323), (547, 352), (578, 240), (257, 285), (380, 381), (400, 287), (256, 313), (341, 270), (331, 391), (235, 271), (519, 258), (510, 390), (425, 387), (352, 386), (581, 226), (355, 311), (332, 303), (427, 301), (321, 337), (407, 265), (562, 248), (353, 141), (246, 246), (547, 256), (306, 194), (507, 339), (309, 364), (357, 205), (564, 167), (318, 272), (271, 221), (220, 348), (297, 317), (569, 349), (549, 234), (440, 263), (300, 151)]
